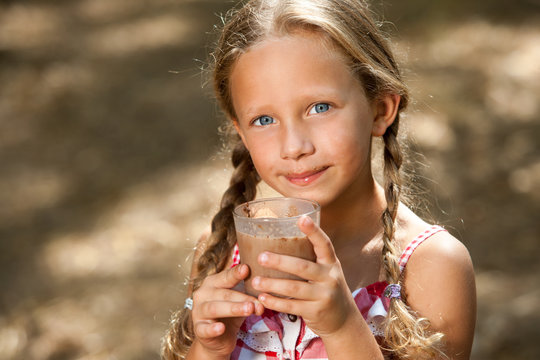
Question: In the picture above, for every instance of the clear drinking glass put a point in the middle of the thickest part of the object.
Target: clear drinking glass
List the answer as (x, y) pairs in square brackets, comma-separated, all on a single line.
[(270, 225)]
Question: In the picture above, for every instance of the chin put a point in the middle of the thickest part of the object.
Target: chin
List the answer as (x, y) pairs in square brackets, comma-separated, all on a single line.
[(315, 193), (322, 199)]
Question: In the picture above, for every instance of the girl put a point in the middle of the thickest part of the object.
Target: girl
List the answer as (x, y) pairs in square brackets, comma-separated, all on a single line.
[(307, 85)]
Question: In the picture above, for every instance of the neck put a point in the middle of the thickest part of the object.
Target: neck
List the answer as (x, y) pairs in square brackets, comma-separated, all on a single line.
[(356, 215)]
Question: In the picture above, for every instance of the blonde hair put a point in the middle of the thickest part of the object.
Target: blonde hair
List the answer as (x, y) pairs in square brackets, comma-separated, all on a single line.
[(349, 25)]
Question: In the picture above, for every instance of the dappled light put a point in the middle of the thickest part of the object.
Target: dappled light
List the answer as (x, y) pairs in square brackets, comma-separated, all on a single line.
[(110, 164)]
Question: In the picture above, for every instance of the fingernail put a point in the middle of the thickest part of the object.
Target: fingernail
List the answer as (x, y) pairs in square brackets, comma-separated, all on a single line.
[(306, 220), (256, 281), (262, 298), (263, 258)]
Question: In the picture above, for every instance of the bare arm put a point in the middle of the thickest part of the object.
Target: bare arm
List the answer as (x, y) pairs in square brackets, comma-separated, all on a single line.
[(354, 335), (440, 286)]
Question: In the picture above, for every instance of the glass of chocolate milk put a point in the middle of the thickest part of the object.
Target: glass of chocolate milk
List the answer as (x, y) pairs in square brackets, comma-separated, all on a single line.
[(270, 225)]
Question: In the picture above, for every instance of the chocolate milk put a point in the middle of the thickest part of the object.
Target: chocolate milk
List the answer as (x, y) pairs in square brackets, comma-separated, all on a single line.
[(251, 246), (272, 225)]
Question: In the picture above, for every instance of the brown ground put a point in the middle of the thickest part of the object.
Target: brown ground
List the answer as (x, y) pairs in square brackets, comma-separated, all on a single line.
[(108, 174)]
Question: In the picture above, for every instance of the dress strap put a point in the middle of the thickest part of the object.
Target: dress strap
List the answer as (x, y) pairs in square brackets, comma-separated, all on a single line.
[(432, 230), (235, 256)]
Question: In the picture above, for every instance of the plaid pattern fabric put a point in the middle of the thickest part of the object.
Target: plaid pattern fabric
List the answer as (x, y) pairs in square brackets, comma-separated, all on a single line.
[(274, 335), (278, 336), (236, 256)]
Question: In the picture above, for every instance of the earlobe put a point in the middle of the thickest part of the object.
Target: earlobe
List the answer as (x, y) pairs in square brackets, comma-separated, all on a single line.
[(386, 109)]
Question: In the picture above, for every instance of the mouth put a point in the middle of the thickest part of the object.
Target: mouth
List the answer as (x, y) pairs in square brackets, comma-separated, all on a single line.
[(307, 177)]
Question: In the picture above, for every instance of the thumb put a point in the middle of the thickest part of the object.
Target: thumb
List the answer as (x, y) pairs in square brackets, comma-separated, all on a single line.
[(324, 250)]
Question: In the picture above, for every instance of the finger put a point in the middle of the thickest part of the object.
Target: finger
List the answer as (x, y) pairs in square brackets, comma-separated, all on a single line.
[(259, 307), (324, 250), (224, 309), (230, 277), (296, 289), (302, 268), (229, 295), (208, 329), (286, 306)]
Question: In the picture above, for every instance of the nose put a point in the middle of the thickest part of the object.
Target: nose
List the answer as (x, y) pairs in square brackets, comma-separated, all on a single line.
[(296, 142)]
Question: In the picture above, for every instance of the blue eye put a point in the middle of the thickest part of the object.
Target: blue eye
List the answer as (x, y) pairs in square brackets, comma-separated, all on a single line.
[(319, 108), (264, 120)]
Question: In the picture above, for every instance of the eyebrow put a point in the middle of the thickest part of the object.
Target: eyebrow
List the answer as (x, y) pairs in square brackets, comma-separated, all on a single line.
[(255, 111), (315, 94)]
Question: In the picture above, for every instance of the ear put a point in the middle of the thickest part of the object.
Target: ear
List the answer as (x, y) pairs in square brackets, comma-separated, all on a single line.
[(386, 109), (239, 131)]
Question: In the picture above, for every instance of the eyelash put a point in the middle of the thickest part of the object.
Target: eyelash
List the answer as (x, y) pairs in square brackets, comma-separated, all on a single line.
[(314, 107), (254, 122)]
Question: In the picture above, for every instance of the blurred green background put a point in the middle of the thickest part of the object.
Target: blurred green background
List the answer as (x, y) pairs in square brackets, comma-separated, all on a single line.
[(109, 168)]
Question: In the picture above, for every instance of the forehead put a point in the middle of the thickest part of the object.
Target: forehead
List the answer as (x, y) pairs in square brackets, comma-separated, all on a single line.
[(312, 41), (289, 65)]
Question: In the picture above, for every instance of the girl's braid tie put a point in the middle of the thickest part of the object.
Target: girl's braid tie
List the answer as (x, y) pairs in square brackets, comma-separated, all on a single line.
[(188, 304), (393, 291)]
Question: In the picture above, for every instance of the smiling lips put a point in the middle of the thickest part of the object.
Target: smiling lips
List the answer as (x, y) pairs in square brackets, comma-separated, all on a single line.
[(305, 178)]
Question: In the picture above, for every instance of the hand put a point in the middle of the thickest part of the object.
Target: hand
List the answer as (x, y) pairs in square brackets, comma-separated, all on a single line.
[(324, 301), (218, 310)]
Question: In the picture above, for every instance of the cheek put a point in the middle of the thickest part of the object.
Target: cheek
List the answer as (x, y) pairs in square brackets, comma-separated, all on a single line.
[(347, 142), (263, 158)]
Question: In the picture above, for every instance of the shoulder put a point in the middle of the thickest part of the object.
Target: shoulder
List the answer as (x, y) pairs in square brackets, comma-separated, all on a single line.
[(439, 284), (440, 251), (441, 258)]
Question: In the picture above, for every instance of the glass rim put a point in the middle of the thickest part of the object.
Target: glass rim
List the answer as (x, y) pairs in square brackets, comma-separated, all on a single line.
[(316, 208)]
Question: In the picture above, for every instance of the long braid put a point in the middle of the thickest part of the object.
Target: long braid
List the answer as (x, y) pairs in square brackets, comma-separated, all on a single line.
[(406, 335), (392, 191), (242, 188)]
